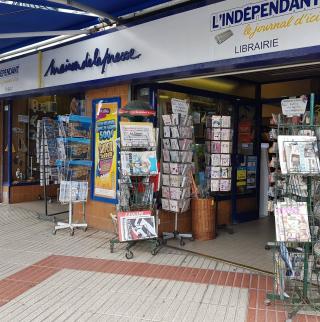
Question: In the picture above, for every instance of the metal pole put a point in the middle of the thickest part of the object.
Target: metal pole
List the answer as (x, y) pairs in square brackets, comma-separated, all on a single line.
[(44, 171), (309, 187)]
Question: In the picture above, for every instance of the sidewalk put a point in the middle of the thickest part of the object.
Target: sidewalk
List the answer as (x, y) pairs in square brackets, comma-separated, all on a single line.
[(62, 278)]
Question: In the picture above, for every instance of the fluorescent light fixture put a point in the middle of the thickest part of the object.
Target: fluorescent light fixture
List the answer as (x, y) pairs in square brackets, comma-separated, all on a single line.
[(52, 42), (239, 72), (48, 8)]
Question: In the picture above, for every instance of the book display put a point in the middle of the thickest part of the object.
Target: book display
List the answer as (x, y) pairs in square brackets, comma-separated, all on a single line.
[(73, 164), (138, 171), (177, 156), (295, 198), (218, 153)]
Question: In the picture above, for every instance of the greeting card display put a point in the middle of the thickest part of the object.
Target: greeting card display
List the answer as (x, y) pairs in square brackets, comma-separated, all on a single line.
[(218, 152), (177, 158)]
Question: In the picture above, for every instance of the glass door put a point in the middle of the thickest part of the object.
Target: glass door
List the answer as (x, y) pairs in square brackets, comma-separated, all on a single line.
[(246, 161)]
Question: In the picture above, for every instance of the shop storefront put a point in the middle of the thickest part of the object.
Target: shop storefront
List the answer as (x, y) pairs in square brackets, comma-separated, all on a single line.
[(228, 58)]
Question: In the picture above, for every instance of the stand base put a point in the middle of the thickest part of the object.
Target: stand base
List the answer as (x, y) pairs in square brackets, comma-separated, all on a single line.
[(72, 227), (177, 235), (155, 246)]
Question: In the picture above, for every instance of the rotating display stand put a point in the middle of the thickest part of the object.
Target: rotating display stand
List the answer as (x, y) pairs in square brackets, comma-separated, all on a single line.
[(74, 166), (177, 142)]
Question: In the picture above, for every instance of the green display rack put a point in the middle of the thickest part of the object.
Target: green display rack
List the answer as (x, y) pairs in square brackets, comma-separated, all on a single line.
[(296, 263)]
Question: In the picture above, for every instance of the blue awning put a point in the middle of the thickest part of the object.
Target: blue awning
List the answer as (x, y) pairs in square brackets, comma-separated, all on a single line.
[(15, 19)]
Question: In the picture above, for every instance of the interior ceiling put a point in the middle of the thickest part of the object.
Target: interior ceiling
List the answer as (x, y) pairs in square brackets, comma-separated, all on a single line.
[(282, 74)]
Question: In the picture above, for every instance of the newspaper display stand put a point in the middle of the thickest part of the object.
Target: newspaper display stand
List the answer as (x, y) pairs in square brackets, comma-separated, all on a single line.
[(297, 214), (73, 148), (136, 218)]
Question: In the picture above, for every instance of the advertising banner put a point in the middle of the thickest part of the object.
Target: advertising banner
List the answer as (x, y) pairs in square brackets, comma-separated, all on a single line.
[(105, 113)]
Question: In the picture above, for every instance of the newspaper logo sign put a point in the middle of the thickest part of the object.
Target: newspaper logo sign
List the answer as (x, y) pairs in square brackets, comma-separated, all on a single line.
[(294, 106)]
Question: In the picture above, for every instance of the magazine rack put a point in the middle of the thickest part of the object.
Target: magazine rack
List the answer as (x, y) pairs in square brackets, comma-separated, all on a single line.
[(297, 216), (46, 145), (136, 218), (73, 146)]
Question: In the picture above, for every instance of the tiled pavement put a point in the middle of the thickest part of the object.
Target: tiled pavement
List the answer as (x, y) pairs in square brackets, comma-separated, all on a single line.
[(62, 278)]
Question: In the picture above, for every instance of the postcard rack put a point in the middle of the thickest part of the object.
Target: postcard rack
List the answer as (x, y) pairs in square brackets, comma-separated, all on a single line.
[(46, 147), (136, 218), (74, 164), (297, 214), (177, 157)]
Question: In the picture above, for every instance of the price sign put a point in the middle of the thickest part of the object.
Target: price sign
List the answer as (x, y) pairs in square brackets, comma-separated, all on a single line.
[(180, 106), (294, 106)]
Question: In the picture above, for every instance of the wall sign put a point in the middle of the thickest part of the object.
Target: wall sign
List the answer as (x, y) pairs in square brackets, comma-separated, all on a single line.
[(88, 62), (19, 75), (224, 30), (105, 117)]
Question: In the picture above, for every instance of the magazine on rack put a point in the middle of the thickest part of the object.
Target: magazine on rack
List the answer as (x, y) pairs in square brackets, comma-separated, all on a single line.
[(165, 204), (215, 147), (139, 163), (225, 185), (166, 179), (291, 221), (79, 191), (166, 144), (166, 120), (215, 185), (226, 135), (185, 144), (136, 225), (226, 121), (225, 160), (137, 134), (298, 154), (174, 144)]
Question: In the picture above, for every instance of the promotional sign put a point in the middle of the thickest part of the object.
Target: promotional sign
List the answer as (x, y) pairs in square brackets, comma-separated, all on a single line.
[(105, 148), (180, 106), (294, 106)]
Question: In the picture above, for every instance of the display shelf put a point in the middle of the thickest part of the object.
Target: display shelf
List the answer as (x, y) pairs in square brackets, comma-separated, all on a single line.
[(137, 216), (177, 157), (296, 260), (73, 167)]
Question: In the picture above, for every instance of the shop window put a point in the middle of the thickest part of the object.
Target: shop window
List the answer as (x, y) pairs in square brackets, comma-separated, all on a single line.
[(286, 89), (26, 113), (5, 122)]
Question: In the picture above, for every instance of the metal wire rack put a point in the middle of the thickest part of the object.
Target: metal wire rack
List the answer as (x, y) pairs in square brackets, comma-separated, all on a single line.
[(296, 205), (73, 166)]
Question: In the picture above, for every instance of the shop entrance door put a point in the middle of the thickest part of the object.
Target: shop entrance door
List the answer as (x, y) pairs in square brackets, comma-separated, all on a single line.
[(246, 169)]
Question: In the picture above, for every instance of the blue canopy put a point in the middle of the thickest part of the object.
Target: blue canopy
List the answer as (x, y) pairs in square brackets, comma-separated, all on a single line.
[(15, 19)]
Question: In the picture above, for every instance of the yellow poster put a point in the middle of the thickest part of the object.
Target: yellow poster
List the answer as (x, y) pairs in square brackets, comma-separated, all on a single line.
[(105, 157), (241, 174)]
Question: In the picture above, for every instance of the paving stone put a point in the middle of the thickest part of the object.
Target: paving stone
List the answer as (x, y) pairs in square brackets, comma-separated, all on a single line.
[(78, 279)]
